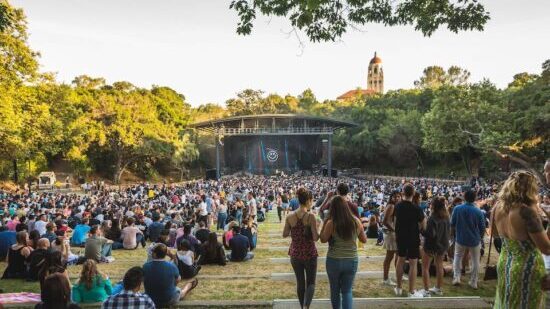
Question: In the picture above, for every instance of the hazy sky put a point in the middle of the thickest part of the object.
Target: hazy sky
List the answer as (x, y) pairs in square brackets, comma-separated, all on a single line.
[(192, 46)]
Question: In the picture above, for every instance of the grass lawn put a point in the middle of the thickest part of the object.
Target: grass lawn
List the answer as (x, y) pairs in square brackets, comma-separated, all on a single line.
[(257, 285)]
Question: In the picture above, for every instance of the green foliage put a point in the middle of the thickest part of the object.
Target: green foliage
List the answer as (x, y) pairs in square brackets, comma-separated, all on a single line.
[(435, 77), (328, 20)]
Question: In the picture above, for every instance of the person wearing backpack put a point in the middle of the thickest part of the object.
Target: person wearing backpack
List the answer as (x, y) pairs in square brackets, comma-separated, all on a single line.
[(301, 226)]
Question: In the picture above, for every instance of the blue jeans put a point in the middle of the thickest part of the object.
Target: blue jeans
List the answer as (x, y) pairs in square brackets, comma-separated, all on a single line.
[(341, 273), (239, 216), (222, 217)]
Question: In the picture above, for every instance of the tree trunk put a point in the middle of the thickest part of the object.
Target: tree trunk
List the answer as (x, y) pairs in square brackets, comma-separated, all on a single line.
[(15, 172), (118, 166), (464, 157), (523, 163)]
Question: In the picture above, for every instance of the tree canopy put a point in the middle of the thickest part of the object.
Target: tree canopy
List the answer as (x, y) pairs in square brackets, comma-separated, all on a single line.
[(328, 20)]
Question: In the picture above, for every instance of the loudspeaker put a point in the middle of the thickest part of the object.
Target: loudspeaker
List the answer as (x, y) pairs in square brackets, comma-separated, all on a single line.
[(211, 174), (333, 173)]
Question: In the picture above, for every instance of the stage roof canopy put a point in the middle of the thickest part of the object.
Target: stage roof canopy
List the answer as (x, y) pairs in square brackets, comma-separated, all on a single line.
[(268, 124)]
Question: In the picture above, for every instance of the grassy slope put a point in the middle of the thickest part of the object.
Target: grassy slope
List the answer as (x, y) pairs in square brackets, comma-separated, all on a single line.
[(256, 288)]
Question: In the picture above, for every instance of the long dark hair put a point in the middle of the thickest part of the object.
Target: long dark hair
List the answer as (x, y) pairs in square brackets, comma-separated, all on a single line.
[(53, 263), (439, 209), (342, 218), (212, 242), (56, 292)]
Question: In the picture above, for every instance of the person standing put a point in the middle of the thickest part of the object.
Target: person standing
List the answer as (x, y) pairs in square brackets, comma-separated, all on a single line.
[(436, 244), (521, 270), (390, 244), (301, 226), (341, 230), (342, 190), (409, 219), (222, 214), (468, 223)]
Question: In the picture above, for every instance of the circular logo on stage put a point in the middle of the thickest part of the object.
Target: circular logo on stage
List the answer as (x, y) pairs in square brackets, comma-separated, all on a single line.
[(272, 155)]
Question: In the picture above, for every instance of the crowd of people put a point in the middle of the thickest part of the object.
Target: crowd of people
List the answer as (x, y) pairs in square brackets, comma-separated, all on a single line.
[(420, 223)]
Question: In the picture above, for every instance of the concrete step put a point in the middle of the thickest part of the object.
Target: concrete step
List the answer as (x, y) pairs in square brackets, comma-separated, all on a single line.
[(393, 302), (371, 274), (323, 259)]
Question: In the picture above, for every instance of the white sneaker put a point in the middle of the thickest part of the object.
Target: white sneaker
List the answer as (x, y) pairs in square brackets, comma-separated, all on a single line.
[(416, 294), (389, 282), (109, 259), (473, 285), (456, 282), (436, 291), (424, 293), (398, 291)]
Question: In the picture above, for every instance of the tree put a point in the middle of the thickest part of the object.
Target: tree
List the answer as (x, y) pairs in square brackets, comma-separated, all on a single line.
[(87, 82), (5, 15), (435, 76), (328, 20)]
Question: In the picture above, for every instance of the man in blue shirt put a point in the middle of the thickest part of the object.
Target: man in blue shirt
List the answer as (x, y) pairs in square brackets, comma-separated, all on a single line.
[(160, 279), (468, 225), (7, 239), (80, 233), (239, 245), (155, 228), (294, 204)]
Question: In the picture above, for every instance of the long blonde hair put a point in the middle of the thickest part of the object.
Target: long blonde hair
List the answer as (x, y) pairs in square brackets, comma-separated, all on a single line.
[(520, 188), (89, 273)]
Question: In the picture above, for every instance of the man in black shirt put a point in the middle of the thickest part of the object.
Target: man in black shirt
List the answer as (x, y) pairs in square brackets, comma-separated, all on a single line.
[(409, 218)]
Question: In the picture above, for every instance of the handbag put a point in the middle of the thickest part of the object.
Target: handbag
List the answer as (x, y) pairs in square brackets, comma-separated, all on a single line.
[(490, 270)]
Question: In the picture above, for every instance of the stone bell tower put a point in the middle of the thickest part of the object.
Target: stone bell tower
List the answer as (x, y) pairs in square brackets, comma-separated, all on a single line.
[(375, 78)]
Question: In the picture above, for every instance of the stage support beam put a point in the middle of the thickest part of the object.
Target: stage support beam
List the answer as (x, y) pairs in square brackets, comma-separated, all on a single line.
[(218, 157), (329, 153)]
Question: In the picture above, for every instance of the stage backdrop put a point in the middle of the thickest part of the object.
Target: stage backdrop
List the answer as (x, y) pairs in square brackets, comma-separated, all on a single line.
[(266, 154)]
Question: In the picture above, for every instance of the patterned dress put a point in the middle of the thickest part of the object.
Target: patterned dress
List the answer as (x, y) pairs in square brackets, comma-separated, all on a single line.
[(520, 273), (300, 247)]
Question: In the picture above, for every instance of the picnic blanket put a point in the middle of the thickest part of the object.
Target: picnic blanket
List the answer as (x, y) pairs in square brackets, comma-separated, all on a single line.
[(18, 298)]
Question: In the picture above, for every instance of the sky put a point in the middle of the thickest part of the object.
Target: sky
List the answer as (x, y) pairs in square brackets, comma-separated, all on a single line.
[(192, 47)]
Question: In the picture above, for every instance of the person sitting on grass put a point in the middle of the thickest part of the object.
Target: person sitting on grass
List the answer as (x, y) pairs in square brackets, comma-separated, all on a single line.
[(240, 246), (50, 232), (130, 297), (163, 239), (52, 264), (17, 255), (80, 233), (160, 279), (56, 293), (132, 236), (195, 243), (212, 251), (37, 258), (62, 245), (93, 286), (98, 247), (202, 233), (249, 230), (185, 260)]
